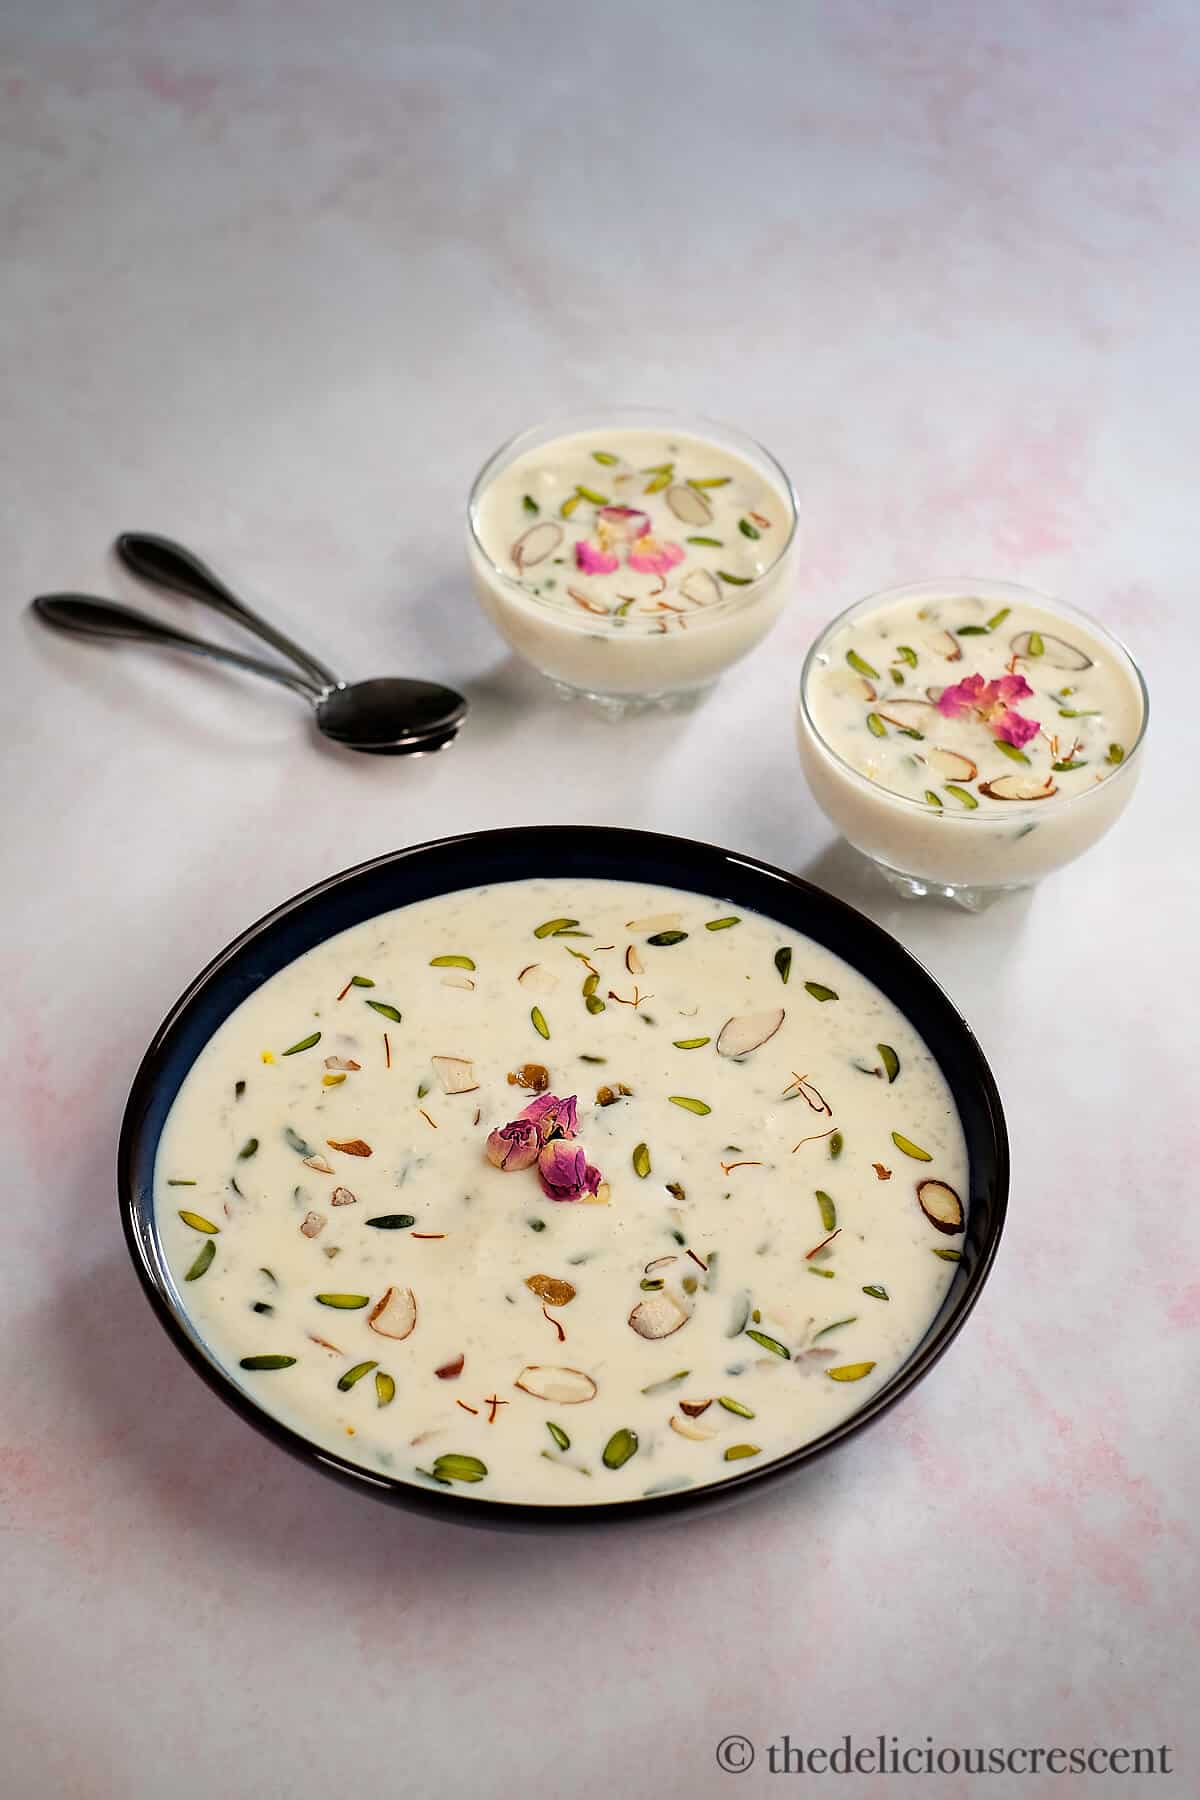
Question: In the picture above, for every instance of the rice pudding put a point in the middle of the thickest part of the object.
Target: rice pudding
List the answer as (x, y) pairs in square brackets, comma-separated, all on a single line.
[(971, 736), (563, 1191), (632, 560)]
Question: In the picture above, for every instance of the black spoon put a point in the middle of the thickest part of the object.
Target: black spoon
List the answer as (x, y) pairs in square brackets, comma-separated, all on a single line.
[(389, 715)]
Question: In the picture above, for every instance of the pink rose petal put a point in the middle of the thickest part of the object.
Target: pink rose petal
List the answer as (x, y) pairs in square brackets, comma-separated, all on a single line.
[(627, 522), (593, 560), (961, 697), (1014, 729), (552, 1117), (565, 1173), (654, 558)]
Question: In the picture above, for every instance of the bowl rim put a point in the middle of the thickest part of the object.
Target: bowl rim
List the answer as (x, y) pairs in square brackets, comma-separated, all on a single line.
[(947, 586), (571, 423), (534, 845)]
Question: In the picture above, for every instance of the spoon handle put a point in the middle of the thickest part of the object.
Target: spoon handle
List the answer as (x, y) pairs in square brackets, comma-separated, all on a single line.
[(169, 565), (83, 616)]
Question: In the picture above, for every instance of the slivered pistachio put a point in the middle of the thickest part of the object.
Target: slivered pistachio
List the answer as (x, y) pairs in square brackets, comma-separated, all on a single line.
[(662, 939), (619, 1448), (262, 1306), (296, 1142), (783, 962), (735, 580), (735, 1406), (452, 1467), (592, 1059), (530, 504), (248, 1149), (1116, 754), (1073, 712), (771, 1344), (591, 496), (826, 1329), (908, 653), (343, 1302), (347, 1381), (691, 1043), (828, 1210), (891, 1062), (676, 1191), (722, 924), (590, 984), (391, 1221), (595, 1004), (1036, 647), (689, 1284), (239, 1088), (605, 457), (690, 1104), (877, 1293), (537, 1019), (551, 927), (748, 530), (658, 482), (972, 631), (962, 795), (668, 1382), (837, 1144), (709, 481), (825, 1274), (850, 1371), (178, 1183), (1062, 768), (712, 543), (314, 1037), (361, 981), (948, 1255), (1011, 751), (737, 1452), (819, 991), (558, 1434), (451, 962), (876, 726), (568, 506), (207, 1251), (931, 799), (385, 1389), (641, 1161), (909, 1148), (998, 619), (266, 1362), (862, 667), (388, 1011), (198, 1222)]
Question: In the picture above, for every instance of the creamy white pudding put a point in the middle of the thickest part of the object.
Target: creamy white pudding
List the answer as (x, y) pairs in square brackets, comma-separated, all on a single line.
[(733, 1215), (632, 558), (971, 736)]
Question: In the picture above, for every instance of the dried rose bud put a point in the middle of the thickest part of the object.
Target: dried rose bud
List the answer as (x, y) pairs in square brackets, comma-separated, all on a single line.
[(554, 1118), (565, 1173), (513, 1146)]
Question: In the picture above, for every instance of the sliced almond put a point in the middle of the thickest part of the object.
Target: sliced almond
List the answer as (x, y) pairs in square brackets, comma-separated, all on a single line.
[(698, 1433), (565, 1387), (658, 922), (633, 961), (1019, 787), (319, 1163), (660, 1262), (536, 544), (658, 1316), (944, 643), (910, 715), (344, 1063), (693, 1408), (689, 504), (458, 981), (935, 693), (312, 1224), (550, 1289), (395, 1316), (738, 1037), (1055, 650), (342, 1196), (456, 1074), (700, 587), (950, 764), (941, 1206), (452, 1370), (538, 978)]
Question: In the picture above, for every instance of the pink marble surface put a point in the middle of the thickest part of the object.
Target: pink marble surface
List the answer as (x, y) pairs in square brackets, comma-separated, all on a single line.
[(277, 277)]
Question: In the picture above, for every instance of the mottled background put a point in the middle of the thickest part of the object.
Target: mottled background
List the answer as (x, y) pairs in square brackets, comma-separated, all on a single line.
[(276, 277)]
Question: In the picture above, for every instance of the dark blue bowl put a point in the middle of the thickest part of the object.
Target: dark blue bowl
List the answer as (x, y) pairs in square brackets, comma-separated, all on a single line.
[(583, 850)]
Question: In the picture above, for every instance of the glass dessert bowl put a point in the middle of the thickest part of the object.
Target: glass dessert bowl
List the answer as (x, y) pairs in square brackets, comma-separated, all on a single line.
[(970, 736), (632, 555)]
